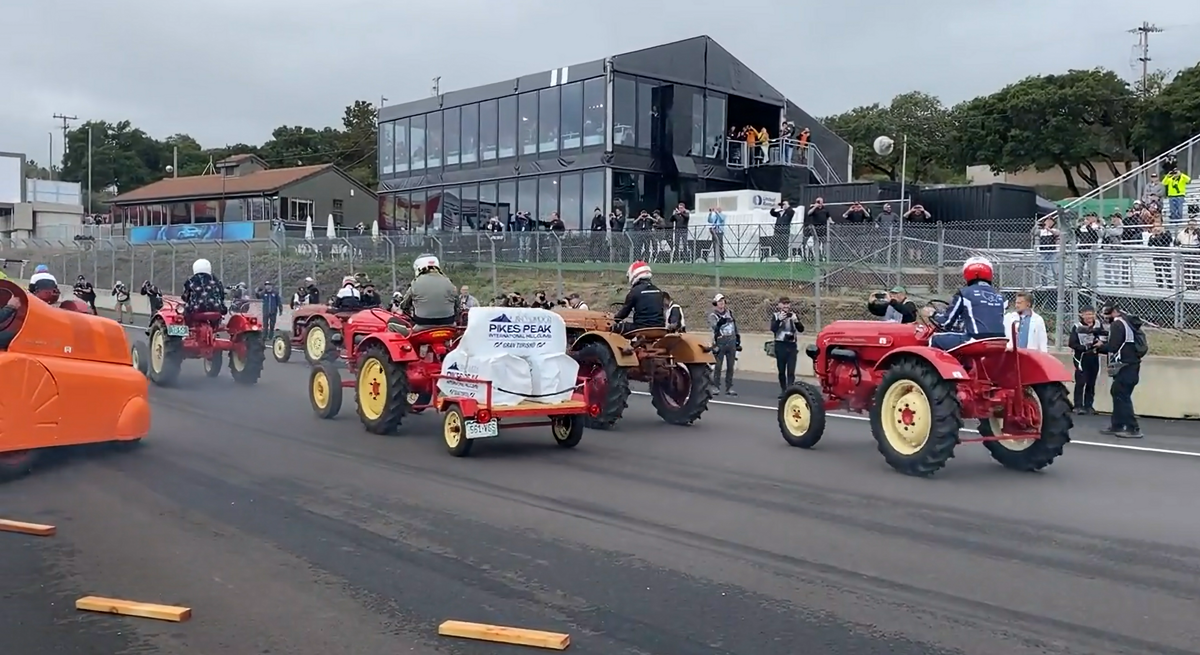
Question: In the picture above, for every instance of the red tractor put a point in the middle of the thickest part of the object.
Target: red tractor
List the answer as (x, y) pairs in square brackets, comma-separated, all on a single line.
[(315, 329), (918, 397), (174, 338), (393, 368)]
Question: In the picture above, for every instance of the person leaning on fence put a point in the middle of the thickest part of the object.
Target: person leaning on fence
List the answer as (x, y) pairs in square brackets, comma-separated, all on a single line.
[(786, 328), (727, 341), (1126, 346)]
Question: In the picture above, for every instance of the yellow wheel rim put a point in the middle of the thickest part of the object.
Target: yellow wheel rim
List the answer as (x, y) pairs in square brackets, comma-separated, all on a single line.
[(158, 350), (452, 429), (997, 426), (906, 416), (133, 357), (561, 428), (372, 389), (797, 415), (280, 348), (320, 389), (314, 343), (236, 361)]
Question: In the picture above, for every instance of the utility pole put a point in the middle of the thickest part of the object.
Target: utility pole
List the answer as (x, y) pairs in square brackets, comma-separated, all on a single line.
[(437, 86), (382, 100), (66, 127), (1143, 33)]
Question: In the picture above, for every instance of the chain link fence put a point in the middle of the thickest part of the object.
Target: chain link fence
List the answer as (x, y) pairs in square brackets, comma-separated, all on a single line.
[(829, 276)]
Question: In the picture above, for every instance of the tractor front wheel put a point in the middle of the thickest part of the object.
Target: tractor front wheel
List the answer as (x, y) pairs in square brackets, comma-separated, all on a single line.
[(682, 396), (915, 418), (1053, 412), (609, 382), (802, 415), (325, 390), (17, 463), (381, 391), (166, 356), (281, 347), (317, 341)]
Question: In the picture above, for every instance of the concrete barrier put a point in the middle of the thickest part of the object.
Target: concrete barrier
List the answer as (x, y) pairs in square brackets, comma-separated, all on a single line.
[(1164, 392)]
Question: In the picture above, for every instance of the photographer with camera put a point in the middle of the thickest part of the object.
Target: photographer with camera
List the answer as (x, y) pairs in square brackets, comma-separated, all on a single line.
[(727, 341), (539, 301), (786, 326), (893, 306)]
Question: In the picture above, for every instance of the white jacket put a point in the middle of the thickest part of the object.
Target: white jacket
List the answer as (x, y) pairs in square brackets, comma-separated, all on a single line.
[(1038, 339)]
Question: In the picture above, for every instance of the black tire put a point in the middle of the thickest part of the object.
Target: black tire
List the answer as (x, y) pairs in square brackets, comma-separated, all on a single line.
[(567, 430), (323, 326), (811, 421), (615, 398), (139, 352), (281, 347), (15, 465), (395, 392), (328, 375), (944, 420), (701, 391), (126, 446), (212, 366), (1056, 432), (247, 371), (172, 360)]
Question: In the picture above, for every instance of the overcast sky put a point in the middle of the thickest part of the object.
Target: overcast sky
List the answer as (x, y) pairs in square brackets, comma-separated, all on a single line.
[(228, 71)]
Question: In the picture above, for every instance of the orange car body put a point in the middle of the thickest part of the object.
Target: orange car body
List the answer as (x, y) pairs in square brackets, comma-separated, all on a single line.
[(67, 379)]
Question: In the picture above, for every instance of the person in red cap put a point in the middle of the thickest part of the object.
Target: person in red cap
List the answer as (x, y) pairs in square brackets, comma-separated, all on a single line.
[(644, 301)]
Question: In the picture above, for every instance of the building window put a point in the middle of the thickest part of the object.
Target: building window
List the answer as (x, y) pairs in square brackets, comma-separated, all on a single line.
[(714, 124), (470, 134), (527, 108), (452, 131), (471, 216), (647, 109), (624, 112), (418, 220), (488, 130), (593, 193), (548, 100), (508, 127), (547, 197), (595, 111), (403, 212), (506, 201), (402, 154), (569, 199), (338, 213), (416, 142), (450, 209), (626, 193), (299, 210), (433, 140), (387, 153), (572, 116), (387, 212), (487, 202), (698, 141), (527, 196)]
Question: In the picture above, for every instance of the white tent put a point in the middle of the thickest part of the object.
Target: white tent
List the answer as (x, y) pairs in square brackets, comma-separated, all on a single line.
[(330, 229), (308, 229)]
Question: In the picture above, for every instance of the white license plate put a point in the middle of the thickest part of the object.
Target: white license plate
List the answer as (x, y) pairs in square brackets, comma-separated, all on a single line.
[(177, 330), (476, 430)]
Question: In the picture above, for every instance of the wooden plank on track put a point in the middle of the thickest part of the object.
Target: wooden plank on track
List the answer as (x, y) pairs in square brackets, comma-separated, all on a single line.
[(133, 608), (35, 529), (505, 635)]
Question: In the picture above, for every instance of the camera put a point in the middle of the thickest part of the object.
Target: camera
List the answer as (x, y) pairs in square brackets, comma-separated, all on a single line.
[(879, 296)]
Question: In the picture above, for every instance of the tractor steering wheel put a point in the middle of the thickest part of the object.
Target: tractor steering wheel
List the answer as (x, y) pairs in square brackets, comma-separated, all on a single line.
[(925, 314)]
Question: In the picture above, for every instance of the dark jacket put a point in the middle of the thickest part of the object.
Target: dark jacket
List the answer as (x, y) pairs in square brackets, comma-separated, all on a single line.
[(980, 310), (1120, 340), (203, 293), (314, 294), (645, 302), (907, 309), (1083, 338), (272, 302), (779, 323)]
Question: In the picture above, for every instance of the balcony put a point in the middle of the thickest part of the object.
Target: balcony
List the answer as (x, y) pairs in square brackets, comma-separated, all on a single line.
[(781, 152)]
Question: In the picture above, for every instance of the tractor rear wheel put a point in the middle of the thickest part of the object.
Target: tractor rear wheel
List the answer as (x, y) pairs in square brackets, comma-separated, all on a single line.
[(1034, 454), (212, 365), (381, 391), (915, 418), (682, 398), (802, 415), (248, 368), (610, 382), (17, 463), (166, 356)]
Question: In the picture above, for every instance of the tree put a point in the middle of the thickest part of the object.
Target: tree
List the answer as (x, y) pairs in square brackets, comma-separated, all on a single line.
[(1070, 122), (1171, 116), (917, 116)]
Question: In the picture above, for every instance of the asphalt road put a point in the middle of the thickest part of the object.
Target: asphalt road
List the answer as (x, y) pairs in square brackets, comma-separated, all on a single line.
[(287, 534)]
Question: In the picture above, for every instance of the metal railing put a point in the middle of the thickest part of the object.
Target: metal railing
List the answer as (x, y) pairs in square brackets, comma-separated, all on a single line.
[(780, 152), (828, 273)]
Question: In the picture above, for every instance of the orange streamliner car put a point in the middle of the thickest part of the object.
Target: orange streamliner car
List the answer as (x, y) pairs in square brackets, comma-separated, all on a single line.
[(66, 379)]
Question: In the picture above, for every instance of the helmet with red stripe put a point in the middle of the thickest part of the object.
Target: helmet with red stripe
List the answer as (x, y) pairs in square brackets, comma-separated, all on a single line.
[(976, 269)]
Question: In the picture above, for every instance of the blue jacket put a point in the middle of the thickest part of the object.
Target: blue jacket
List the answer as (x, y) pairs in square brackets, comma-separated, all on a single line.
[(272, 303), (980, 310)]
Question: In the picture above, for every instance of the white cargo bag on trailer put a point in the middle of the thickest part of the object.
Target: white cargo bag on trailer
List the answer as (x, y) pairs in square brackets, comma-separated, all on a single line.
[(522, 331), (510, 376), (553, 374)]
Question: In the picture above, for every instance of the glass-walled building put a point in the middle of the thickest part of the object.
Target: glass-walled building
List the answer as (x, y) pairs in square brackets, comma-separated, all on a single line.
[(643, 130)]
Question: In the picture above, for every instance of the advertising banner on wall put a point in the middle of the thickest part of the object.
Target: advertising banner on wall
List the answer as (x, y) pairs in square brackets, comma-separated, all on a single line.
[(242, 231)]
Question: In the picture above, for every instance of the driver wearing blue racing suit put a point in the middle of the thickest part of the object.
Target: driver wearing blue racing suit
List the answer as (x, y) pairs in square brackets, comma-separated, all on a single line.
[(977, 306)]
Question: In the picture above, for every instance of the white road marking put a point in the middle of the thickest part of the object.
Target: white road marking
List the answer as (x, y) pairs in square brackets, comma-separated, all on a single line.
[(851, 417)]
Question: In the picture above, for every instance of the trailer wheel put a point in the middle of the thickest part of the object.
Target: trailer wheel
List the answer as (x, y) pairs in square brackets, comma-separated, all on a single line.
[(454, 432), (568, 430)]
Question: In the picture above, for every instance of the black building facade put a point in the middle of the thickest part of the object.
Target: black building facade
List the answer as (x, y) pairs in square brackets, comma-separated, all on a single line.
[(641, 130)]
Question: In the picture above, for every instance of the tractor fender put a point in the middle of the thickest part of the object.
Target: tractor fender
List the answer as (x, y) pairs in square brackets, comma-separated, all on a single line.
[(239, 323), (397, 345), (944, 363), (619, 345), (1033, 366), (688, 348)]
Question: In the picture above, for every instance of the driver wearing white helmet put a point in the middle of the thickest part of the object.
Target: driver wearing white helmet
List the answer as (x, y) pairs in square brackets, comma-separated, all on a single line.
[(644, 301), (203, 293), (348, 297), (432, 299)]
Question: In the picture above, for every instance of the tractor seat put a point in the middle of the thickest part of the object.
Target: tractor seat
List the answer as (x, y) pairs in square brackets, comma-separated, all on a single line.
[(204, 317), (653, 333)]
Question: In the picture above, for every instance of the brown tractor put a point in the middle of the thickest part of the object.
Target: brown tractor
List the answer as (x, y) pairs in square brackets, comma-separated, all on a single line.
[(677, 367)]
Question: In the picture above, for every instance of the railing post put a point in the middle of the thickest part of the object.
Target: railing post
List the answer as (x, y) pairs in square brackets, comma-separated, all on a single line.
[(1061, 296), (941, 259)]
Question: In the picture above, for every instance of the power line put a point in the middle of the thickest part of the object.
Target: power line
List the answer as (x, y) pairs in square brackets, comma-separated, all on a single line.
[(1143, 33)]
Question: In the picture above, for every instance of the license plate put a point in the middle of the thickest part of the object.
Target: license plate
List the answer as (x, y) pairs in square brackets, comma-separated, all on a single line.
[(177, 330), (476, 430)]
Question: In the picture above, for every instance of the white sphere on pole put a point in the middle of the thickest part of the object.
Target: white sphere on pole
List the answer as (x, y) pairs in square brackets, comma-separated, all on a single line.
[(884, 146)]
